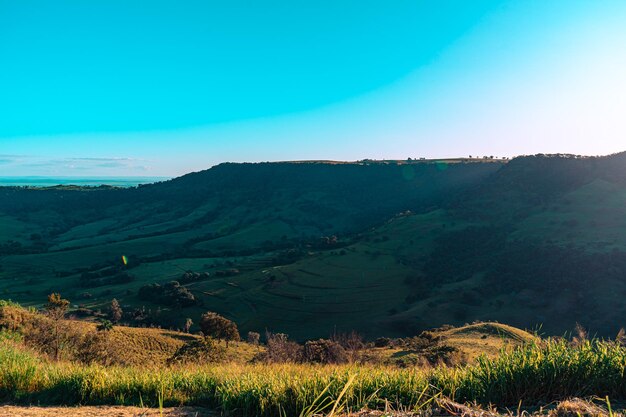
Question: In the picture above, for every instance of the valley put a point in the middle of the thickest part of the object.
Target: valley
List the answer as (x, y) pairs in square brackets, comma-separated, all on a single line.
[(309, 248)]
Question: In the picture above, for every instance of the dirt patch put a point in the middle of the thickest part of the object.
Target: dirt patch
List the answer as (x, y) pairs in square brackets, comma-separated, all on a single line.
[(104, 411)]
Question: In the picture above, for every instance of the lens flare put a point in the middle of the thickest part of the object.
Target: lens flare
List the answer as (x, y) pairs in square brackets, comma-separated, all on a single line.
[(124, 260)]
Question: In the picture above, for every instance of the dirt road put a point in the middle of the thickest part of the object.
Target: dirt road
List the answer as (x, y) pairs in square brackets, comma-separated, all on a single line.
[(10, 411)]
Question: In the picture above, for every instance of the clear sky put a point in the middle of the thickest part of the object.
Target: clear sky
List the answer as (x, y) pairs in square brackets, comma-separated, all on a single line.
[(124, 87)]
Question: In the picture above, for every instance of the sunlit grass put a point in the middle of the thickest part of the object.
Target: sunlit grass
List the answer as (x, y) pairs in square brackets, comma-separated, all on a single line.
[(545, 372)]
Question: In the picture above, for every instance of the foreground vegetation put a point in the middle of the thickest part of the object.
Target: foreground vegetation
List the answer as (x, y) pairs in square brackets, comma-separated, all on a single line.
[(538, 372), (46, 359)]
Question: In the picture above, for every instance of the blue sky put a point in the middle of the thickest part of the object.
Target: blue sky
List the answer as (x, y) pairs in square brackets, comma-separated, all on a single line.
[(163, 88)]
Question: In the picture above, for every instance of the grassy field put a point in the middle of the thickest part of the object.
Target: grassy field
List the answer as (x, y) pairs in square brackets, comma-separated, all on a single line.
[(502, 366), (532, 374), (153, 346)]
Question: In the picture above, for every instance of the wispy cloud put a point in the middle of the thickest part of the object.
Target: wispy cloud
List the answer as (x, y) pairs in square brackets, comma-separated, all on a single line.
[(91, 165), (102, 159), (10, 158)]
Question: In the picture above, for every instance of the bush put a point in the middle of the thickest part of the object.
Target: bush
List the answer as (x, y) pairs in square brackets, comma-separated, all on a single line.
[(218, 327), (115, 311), (13, 317), (281, 350), (253, 338), (382, 342), (189, 277), (427, 349), (324, 351), (99, 347), (201, 351), (171, 294)]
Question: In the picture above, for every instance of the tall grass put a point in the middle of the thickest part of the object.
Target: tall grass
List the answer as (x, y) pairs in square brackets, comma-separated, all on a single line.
[(554, 370), (546, 372)]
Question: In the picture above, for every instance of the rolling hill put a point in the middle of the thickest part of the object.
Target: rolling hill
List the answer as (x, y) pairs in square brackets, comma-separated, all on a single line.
[(308, 248)]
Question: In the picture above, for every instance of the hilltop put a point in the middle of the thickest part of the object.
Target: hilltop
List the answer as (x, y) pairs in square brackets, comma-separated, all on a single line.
[(387, 248)]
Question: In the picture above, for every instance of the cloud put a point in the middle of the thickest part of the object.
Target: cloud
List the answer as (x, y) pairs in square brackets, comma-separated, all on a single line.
[(108, 160), (93, 165), (111, 165), (10, 159)]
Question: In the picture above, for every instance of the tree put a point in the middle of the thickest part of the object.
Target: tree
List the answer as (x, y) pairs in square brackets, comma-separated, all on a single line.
[(115, 311), (56, 309), (105, 326), (218, 327), (253, 338), (188, 324)]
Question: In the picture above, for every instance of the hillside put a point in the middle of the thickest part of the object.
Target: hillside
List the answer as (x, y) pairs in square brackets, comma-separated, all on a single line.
[(308, 248), (153, 347)]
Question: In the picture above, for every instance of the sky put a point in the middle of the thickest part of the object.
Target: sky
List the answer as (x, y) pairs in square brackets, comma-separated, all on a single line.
[(162, 88)]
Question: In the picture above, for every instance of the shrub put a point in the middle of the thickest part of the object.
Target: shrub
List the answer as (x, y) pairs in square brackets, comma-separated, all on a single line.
[(188, 324), (200, 351), (99, 347), (54, 338), (115, 311), (352, 343), (281, 350), (13, 317), (253, 338), (218, 327), (189, 277), (172, 294), (324, 351), (382, 342)]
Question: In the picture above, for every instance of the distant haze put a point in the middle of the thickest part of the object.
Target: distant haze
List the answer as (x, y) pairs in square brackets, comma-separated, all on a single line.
[(93, 182)]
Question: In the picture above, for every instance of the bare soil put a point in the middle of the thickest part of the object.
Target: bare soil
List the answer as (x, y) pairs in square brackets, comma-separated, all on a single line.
[(104, 411)]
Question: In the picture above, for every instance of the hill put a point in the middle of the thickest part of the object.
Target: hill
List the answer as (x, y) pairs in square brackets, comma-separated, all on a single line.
[(153, 347), (309, 248)]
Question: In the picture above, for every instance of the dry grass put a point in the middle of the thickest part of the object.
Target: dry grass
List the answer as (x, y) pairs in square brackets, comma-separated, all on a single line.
[(131, 345)]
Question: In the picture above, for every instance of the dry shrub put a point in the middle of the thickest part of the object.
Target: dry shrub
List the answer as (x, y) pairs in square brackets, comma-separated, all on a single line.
[(99, 347), (281, 350), (324, 351), (578, 408), (201, 351), (352, 343), (13, 318), (253, 338), (428, 349), (580, 335), (76, 343), (56, 339)]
